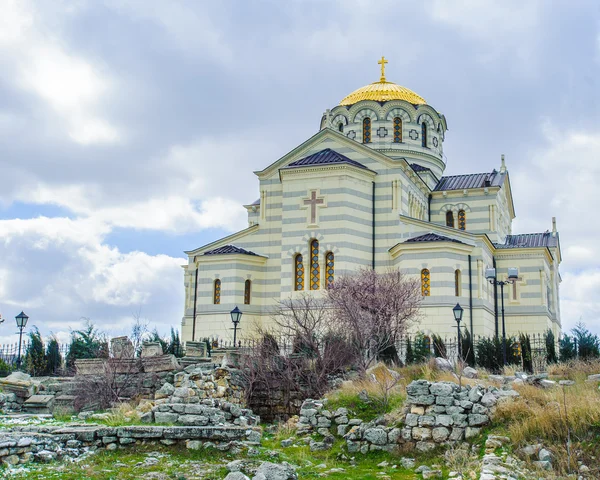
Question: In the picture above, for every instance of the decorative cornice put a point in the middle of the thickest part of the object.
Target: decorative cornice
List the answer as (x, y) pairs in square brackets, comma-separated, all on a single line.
[(222, 241)]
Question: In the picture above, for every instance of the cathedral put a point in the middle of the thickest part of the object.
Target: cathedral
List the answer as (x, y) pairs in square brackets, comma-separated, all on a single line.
[(368, 190)]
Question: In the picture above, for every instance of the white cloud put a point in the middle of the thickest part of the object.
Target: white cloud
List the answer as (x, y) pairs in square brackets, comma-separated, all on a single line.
[(510, 26), (59, 270), (71, 86), (561, 180)]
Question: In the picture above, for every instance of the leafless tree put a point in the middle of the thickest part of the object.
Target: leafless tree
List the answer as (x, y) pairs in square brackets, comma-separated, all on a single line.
[(374, 310), (316, 352)]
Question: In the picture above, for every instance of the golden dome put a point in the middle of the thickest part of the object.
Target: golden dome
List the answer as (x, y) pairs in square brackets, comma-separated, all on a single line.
[(383, 91)]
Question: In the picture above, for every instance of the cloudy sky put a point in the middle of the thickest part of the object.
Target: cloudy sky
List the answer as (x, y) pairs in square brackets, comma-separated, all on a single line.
[(129, 130)]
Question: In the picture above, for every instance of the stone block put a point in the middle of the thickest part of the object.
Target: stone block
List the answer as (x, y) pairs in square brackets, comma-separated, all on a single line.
[(440, 434), (443, 420), (376, 436), (151, 349), (442, 388), (417, 410), (419, 433), (40, 404), (421, 400), (457, 434), (472, 432), (475, 394), (140, 432), (488, 400), (480, 409), (445, 401), (161, 363), (121, 347), (165, 417), (125, 365), (426, 421), (418, 387), (425, 446), (195, 349), (460, 420), (411, 420), (478, 420), (193, 420)]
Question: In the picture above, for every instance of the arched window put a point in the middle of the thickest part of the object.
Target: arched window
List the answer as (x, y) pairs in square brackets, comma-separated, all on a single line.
[(315, 270), (217, 292), (299, 273), (247, 291), (341, 127), (462, 220), (449, 219), (366, 130), (425, 283), (397, 130), (423, 134), (330, 261), (457, 283)]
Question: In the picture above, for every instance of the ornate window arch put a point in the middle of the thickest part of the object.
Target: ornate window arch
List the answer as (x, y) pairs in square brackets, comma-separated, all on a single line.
[(457, 283), (330, 269), (247, 291), (217, 292), (366, 133), (462, 220), (397, 130), (298, 272), (425, 283), (450, 219), (315, 269), (423, 134), (341, 127)]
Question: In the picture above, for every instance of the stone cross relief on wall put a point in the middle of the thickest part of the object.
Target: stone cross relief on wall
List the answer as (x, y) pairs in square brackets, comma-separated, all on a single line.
[(311, 203)]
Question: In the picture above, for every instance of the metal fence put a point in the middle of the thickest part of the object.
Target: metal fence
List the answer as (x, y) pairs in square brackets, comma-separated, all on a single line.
[(10, 352)]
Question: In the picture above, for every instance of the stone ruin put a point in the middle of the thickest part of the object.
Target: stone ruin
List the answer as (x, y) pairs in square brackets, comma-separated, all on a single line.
[(440, 413)]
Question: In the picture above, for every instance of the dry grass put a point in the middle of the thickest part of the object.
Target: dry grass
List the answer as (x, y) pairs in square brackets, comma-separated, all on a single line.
[(574, 370), (122, 414), (538, 416)]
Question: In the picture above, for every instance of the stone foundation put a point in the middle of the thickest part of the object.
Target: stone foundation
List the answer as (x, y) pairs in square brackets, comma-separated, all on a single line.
[(43, 444)]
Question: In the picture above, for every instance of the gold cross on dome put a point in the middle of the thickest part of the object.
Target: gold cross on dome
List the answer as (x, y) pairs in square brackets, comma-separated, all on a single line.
[(382, 62)]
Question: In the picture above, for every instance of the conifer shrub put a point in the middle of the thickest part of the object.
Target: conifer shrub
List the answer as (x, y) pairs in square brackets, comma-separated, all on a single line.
[(526, 357), (53, 357), (35, 356), (550, 347)]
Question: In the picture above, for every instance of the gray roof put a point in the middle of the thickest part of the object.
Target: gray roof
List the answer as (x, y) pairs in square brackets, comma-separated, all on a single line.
[(530, 240), (431, 237), (228, 250), (419, 168), (474, 180), (325, 157)]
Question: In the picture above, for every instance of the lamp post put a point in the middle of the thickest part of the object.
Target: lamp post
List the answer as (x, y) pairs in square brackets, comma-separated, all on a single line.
[(21, 319), (513, 276), (236, 316), (458, 313)]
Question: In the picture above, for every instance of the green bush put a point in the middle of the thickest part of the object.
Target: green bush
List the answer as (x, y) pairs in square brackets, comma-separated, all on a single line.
[(490, 356), (525, 342), (86, 343), (5, 368), (588, 344), (566, 348), (468, 350), (439, 347), (35, 356), (550, 347), (53, 357)]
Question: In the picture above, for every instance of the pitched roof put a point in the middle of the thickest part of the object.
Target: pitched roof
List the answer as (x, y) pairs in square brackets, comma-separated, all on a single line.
[(419, 168), (431, 237), (530, 240), (228, 250), (325, 157), (474, 180)]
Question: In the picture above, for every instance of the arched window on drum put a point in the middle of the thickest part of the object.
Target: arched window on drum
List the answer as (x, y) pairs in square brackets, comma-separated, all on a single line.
[(366, 130)]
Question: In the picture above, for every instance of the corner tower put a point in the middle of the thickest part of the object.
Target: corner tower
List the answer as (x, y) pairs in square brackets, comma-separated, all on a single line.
[(392, 120)]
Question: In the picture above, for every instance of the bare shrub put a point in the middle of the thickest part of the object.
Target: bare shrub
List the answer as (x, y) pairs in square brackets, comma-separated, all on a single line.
[(277, 378), (374, 310)]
